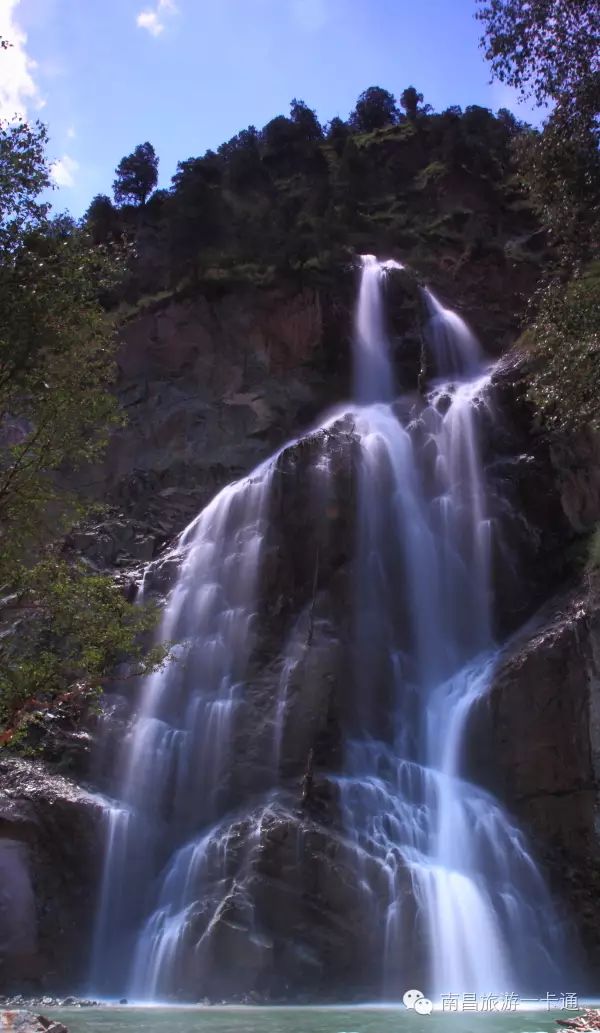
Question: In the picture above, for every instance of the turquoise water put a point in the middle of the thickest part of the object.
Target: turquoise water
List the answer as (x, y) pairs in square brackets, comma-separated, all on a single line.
[(300, 1020)]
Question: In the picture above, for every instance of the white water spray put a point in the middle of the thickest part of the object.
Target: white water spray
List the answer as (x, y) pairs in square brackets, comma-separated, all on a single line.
[(459, 879), (373, 375)]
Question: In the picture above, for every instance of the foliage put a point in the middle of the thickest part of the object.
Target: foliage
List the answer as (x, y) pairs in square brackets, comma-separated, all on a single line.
[(306, 121), (56, 368), (101, 219), (136, 175), (70, 630), (410, 100), (565, 373), (338, 132), (561, 169), (60, 623), (544, 48), (550, 49), (375, 108), (288, 194), (24, 174)]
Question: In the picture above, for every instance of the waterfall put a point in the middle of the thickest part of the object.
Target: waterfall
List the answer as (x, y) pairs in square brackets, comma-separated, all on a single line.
[(449, 885), (175, 763), (454, 348), (459, 881), (373, 374)]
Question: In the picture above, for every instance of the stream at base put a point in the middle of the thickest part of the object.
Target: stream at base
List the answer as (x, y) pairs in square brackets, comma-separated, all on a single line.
[(304, 1020)]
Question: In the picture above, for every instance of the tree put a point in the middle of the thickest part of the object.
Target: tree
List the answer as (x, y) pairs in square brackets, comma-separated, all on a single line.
[(24, 174), (510, 122), (410, 101), (136, 176), (57, 350), (545, 48), (309, 127), (242, 159), (560, 168), (196, 219), (278, 135), (549, 49), (564, 380), (375, 108), (73, 627), (102, 219)]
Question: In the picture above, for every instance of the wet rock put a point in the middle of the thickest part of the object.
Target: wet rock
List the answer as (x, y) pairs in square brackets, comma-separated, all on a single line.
[(589, 1020), (541, 726), (48, 829), (532, 528), (28, 1022), (286, 917)]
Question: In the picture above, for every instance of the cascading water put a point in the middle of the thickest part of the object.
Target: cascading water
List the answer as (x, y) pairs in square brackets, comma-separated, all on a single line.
[(174, 765), (373, 376), (459, 882), (452, 891)]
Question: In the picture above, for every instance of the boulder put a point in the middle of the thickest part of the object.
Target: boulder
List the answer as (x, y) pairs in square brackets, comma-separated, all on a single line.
[(28, 1022)]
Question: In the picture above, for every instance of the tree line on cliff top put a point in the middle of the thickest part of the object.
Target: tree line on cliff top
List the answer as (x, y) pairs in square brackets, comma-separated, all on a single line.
[(296, 192)]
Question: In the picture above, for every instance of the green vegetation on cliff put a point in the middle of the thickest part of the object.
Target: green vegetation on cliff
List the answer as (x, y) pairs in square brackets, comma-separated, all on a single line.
[(60, 627), (565, 359), (549, 49), (299, 198)]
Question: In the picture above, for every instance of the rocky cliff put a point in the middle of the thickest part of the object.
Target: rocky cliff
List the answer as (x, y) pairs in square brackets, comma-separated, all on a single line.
[(211, 385)]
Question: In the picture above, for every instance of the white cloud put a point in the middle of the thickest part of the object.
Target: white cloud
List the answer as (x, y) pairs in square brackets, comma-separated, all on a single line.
[(19, 92), (71, 133), (153, 19), (310, 15), (63, 171)]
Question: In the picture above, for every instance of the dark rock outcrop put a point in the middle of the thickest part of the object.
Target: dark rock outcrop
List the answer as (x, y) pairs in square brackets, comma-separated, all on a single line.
[(48, 876), (541, 726), (291, 905)]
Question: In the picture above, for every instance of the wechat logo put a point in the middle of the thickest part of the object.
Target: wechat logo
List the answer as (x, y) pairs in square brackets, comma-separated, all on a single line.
[(414, 1000)]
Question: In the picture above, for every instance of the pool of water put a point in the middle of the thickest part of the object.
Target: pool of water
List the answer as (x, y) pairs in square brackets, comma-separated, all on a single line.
[(300, 1020)]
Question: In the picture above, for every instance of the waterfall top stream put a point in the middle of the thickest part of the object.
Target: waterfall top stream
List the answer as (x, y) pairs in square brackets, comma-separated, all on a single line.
[(451, 897)]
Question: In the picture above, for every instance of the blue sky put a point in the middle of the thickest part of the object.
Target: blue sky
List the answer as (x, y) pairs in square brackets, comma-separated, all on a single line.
[(188, 74)]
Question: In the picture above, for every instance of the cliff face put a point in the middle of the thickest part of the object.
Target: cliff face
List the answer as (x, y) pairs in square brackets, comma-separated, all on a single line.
[(544, 705), (212, 385), (544, 731)]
